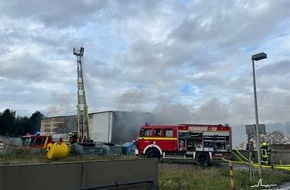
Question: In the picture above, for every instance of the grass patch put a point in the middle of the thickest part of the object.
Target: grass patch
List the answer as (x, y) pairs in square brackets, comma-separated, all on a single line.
[(35, 155), (180, 176), (22, 156)]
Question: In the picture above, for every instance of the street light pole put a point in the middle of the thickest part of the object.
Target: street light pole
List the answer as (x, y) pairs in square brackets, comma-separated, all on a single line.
[(257, 57)]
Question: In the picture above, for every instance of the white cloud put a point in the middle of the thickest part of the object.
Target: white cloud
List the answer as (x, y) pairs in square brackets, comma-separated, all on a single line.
[(189, 60)]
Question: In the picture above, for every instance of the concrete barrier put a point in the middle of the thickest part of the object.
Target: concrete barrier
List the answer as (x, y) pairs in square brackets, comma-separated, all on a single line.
[(281, 153), (119, 174)]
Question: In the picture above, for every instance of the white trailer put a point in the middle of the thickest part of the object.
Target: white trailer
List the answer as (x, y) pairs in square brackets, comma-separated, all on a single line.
[(117, 126)]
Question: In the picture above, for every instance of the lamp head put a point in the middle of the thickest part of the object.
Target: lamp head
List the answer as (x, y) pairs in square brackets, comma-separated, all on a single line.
[(259, 56)]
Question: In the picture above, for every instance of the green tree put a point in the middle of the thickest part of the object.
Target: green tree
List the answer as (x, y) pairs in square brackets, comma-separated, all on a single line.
[(7, 122), (10, 125), (34, 122), (22, 125)]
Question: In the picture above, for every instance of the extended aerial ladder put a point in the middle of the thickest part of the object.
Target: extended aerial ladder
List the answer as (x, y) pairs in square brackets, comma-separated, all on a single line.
[(82, 108)]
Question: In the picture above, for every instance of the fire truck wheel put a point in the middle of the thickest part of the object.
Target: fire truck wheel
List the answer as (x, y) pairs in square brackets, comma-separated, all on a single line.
[(203, 158), (153, 153)]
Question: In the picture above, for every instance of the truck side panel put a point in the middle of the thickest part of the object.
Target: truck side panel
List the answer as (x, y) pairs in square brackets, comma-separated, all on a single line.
[(186, 141)]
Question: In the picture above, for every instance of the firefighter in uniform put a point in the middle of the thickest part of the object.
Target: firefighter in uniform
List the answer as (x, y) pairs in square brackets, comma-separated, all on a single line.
[(266, 151), (74, 137)]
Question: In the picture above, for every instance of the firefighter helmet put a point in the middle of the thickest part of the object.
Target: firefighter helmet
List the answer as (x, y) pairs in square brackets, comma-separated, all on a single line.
[(264, 144)]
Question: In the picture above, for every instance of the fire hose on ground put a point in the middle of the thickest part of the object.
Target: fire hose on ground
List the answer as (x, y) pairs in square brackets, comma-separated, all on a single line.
[(243, 160)]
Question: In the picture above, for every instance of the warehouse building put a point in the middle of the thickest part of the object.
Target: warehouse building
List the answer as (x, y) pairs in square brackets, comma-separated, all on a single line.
[(107, 126)]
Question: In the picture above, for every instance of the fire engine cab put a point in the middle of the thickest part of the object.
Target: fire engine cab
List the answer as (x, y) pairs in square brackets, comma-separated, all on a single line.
[(199, 142)]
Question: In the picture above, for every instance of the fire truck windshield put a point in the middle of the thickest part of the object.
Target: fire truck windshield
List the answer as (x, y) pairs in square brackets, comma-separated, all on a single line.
[(145, 132)]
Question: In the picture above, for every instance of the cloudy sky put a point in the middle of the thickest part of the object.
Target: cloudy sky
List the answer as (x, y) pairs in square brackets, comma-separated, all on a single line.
[(189, 60)]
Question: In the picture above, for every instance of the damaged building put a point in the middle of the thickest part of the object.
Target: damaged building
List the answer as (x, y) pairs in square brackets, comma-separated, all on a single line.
[(107, 126)]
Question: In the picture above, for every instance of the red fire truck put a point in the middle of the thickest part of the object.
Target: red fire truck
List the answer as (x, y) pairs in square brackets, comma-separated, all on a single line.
[(202, 143)]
